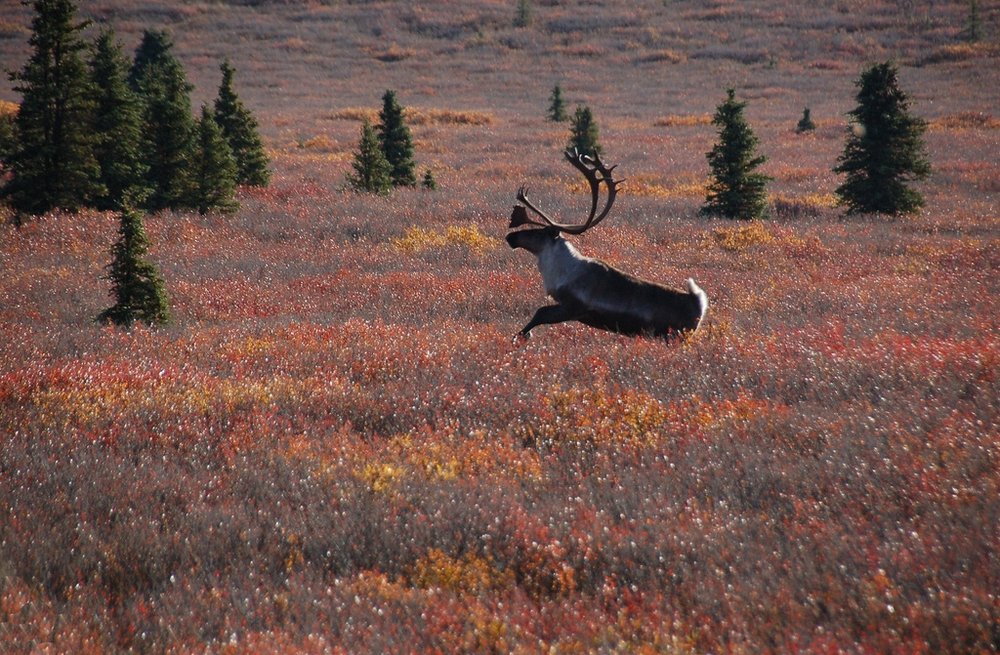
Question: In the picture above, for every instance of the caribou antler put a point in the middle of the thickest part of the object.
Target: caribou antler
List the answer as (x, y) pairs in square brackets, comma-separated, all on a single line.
[(596, 172)]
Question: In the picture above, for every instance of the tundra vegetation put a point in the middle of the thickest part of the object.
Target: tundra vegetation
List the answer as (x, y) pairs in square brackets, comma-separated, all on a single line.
[(334, 446)]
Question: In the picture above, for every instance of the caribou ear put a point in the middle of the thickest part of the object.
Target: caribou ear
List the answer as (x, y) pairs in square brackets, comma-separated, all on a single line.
[(518, 217)]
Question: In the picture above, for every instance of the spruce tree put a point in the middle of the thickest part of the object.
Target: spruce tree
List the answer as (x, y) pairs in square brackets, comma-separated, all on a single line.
[(805, 123), (429, 183), (168, 130), (213, 181), (137, 287), (583, 132), (557, 106), (372, 171), (523, 16), (884, 149), (117, 125), (154, 50), (735, 190), (240, 129), (8, 133), (397, 145), (52, 161), (973, 31)]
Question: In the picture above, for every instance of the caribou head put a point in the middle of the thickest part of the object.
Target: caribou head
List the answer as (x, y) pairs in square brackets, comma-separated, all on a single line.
[(588, 290)]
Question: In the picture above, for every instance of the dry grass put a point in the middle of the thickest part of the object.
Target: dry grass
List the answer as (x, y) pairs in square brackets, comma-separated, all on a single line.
[(651, 187), (417, 116), (970, 120), (665, 56), (683, 121), (961, 53)]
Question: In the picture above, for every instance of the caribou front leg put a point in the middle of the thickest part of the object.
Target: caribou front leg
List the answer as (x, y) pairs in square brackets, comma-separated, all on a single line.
[(547, 315)]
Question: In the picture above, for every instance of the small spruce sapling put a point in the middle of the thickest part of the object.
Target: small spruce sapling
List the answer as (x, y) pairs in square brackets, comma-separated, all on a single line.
[(735, 190), (371, 169), (523, 16), (397, 146), (584, 133), (429, 183), (557, 106), (136, 285), (805, 123)]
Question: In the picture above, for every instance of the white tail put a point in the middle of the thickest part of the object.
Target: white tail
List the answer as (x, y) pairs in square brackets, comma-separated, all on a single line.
[(693, 288)]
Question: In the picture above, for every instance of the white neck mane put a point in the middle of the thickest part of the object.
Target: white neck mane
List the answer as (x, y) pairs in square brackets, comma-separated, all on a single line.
[(559, 264)]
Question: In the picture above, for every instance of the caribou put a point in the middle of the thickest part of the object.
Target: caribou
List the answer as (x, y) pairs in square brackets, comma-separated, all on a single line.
[(588, 290)]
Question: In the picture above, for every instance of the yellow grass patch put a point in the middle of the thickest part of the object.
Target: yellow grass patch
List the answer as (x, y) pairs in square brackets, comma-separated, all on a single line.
[(649, 187), (469, 574), (584, 414), (740, 237), (960, 52), (415, 116), (827, 200), (356, 114), (320, 142), (966, 120), (418, 239), (582, 49), (448, 117), (382, 477), (86, 405)]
